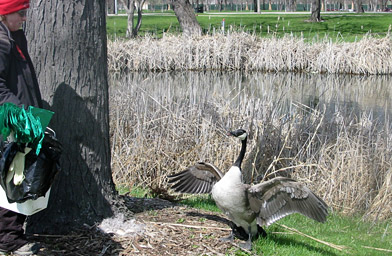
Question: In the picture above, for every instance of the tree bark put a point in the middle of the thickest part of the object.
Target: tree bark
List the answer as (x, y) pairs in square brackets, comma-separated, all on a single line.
[(68, 46), (186, 17), (315, 15)]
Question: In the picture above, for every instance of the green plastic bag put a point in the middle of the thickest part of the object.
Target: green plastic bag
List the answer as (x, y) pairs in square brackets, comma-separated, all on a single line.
[(27, 126)]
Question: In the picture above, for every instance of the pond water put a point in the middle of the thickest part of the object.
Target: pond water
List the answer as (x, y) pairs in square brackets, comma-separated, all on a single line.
[(354, 94)]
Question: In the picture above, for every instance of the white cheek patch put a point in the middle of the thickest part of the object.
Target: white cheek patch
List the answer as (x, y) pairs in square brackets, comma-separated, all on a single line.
[(243, 136)]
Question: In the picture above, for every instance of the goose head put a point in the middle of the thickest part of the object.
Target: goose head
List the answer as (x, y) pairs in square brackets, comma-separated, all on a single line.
[(240, 133)]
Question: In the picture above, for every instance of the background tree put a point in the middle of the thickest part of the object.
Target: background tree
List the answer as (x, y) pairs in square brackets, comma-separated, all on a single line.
[(111, 7), (315, 15), (256, 4), (358, 6), (68, 45), (291, 6), (186, 17), (130, 6)]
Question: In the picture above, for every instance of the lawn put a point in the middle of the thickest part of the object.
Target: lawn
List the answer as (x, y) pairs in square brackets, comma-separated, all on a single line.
[(352, 234), (336, 26)]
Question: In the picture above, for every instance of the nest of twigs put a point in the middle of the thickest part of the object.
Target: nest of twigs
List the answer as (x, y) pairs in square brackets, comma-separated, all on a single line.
[(168, 229)]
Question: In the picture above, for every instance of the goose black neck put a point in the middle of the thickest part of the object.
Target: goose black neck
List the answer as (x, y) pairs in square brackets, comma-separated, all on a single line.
[(238, 162)]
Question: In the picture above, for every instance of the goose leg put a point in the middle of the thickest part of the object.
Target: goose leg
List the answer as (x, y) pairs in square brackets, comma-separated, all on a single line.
[(248, 244)]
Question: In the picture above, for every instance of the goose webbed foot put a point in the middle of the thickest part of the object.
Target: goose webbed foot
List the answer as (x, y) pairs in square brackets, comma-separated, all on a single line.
[(230, 238), (247, 245)]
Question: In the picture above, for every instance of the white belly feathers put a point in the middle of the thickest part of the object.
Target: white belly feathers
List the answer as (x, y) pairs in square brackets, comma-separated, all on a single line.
[(230, 197)]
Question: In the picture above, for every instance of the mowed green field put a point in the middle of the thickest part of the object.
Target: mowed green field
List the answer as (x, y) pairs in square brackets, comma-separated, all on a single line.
[(335, 26)]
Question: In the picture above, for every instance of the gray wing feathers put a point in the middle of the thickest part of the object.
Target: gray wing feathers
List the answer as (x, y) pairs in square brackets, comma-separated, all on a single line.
[(279, 197), (196, 179)]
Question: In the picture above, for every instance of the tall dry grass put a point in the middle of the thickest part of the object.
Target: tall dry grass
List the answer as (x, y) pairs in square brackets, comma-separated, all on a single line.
[(243, 51), (162, 123)]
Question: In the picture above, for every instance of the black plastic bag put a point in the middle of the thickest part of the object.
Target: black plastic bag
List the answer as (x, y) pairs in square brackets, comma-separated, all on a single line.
[(39, 171)]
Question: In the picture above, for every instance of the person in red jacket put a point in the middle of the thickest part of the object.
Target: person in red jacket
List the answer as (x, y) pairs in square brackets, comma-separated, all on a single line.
[(18, 85)]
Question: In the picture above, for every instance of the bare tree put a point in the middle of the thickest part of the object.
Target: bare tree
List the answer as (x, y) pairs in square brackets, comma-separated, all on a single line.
[(110, 7), (70, 52), (373, 5), (130, 7), (315, 15), (291, 5), (257, 7), (186, 17), (358, 6)]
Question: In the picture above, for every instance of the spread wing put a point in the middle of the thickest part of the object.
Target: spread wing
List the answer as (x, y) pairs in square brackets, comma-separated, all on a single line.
[(279, 197), (196, 179)]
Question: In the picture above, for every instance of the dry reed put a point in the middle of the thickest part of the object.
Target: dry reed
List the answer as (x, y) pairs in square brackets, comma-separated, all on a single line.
[(342, 154), (243, 51)]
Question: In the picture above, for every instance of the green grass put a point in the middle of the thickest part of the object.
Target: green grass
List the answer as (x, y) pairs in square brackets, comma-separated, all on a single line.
[(336, 26), (154, 24), (351, 232), (134, 191), (347, 231)]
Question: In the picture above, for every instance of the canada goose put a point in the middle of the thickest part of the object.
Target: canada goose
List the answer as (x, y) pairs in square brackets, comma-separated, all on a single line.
[(245, 205)]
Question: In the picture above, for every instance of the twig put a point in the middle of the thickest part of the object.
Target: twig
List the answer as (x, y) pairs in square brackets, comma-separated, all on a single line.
[(290, 167), (56, 236), (283, 233), (378, 249), (105, 248), (337, 247), (188, 226), (212, 250)]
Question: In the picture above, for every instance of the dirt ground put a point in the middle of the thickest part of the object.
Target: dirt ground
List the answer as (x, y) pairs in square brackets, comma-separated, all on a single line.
[(167, 229)]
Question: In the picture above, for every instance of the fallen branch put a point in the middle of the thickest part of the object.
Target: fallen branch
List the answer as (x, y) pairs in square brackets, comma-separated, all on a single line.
[(337, 247)]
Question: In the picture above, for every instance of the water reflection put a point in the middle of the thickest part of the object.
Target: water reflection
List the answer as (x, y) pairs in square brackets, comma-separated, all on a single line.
[(350, 93)]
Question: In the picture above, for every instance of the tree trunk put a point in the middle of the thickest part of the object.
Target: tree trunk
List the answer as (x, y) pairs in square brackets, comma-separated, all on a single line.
[(139, 15), (186, 17), (291, 6), (68, 46), (111, 9), (315, 15), (129, 7), (358, 6)]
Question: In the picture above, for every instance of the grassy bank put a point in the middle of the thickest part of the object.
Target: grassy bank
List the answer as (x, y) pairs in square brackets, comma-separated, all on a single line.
[(336, 26), (347, 235), (298, 235)]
